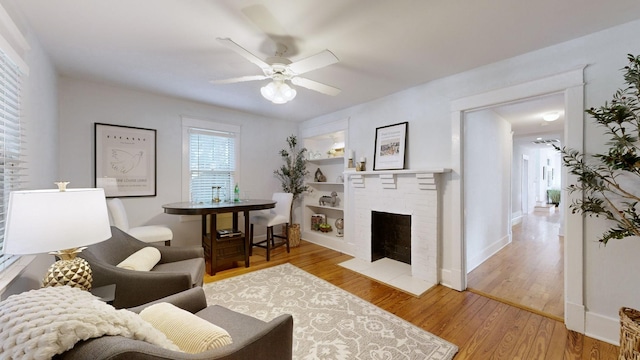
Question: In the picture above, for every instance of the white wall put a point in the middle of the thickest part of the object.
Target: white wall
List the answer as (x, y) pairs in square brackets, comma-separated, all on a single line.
[(611, 272), (519, 152), (83, 103), (487, 195)]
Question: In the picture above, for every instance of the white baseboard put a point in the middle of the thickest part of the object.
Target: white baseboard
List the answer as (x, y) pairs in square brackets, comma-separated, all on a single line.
[(574, 315), (486, 253), (515, 221), (451, 279), (603, 328)]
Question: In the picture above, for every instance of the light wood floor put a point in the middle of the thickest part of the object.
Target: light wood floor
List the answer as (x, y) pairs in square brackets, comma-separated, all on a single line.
[(529, 272), (481, 327)]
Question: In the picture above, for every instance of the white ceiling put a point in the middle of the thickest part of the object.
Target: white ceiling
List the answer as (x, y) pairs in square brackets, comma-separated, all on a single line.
[(169, 46), (527, 123)]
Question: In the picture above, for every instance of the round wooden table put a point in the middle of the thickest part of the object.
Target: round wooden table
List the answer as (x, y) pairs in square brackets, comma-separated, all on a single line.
[(221, 252)]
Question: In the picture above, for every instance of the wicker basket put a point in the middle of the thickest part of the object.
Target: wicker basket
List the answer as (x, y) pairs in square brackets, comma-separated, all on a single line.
[(294, 235), (629, 334)]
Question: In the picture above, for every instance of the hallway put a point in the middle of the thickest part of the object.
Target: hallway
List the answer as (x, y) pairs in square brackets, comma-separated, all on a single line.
[(529, 272)]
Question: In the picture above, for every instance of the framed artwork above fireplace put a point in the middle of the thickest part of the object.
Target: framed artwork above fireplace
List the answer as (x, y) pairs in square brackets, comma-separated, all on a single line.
[(391, 142)]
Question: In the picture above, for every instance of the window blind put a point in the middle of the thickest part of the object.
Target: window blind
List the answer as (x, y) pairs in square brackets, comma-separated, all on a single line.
[(12, 168), (212, 163)]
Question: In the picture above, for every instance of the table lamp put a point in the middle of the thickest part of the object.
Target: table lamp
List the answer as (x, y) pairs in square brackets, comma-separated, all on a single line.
[(61, 222)]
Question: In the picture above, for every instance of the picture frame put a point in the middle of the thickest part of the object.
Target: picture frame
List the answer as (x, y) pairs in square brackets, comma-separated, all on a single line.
[(125, 160), (390, 150)]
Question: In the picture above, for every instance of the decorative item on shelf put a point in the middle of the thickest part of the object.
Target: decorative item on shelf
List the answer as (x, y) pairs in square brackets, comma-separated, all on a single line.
[(314, 155), (324, 227), (340, 226), (361, 165), (291, 175), (68, 221), (319, 176), (350, 164), (335, 152), (316, 220), (329, 200), (215, 193), (340, 179)]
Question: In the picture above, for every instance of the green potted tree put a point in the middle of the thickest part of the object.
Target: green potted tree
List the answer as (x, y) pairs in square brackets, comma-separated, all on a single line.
[(610, 180), (291, 175)]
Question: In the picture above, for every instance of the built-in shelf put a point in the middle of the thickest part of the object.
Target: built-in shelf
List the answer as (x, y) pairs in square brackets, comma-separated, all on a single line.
[(334, 159), (319, 142), (325, 207)]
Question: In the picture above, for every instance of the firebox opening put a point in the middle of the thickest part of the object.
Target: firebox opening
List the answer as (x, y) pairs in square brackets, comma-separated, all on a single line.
[(390, 236)]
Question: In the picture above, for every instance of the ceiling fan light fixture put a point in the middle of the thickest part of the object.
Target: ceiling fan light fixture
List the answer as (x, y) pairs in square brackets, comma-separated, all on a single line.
[(552, 116), (278, 92)]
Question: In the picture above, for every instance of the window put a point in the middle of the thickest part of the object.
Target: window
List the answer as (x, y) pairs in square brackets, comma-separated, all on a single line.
[(210, 160), (11, 142)]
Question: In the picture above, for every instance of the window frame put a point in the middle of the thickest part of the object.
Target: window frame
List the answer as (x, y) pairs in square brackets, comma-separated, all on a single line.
[(192, 123), (13, 46)]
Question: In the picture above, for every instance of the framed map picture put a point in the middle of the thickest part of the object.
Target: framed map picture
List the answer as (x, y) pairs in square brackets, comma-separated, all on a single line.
[(391, 142), (125, 160)]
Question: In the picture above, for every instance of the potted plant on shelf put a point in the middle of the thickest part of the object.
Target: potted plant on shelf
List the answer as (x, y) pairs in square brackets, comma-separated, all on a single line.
[(610, 180), (291, 175)]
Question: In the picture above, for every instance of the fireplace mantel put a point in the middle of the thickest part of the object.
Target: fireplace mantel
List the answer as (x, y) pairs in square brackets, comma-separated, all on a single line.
[(407, 171), (388, 179)]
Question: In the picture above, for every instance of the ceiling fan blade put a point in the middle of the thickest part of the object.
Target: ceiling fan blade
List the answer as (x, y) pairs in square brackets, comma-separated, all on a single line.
[(244, 52), (240, 79), (313, 62), (316, 86)]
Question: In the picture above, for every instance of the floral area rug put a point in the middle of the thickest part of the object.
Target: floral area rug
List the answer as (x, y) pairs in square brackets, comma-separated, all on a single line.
[(328, 322)]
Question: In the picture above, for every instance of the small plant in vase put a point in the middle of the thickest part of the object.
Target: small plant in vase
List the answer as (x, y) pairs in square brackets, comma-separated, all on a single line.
[(291, 175)]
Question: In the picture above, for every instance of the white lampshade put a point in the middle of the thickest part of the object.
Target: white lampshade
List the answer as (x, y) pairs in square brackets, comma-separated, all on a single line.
[(278, 92), (40, 221)]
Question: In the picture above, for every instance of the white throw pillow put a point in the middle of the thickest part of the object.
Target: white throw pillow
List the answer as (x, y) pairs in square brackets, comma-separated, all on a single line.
[(189, 332), (142, 260)]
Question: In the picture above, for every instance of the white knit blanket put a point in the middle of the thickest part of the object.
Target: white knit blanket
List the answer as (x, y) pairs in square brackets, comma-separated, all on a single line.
[(39, 324)]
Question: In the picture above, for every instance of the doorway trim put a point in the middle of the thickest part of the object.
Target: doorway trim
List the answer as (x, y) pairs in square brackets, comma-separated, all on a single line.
[(571, 85), (524, 186)]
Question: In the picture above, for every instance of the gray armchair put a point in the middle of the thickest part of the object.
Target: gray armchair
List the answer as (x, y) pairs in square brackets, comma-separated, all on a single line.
[(179, 269), (253, 339)]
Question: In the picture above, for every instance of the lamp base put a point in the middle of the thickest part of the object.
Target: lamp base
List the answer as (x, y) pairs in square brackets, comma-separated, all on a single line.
[(74, 272)]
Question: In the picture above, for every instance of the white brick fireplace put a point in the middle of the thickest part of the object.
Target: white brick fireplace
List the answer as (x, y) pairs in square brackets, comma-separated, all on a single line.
[(406, 192)]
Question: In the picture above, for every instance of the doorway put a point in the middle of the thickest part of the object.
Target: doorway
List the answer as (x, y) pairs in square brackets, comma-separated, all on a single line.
[(513, 251), (571, 85)]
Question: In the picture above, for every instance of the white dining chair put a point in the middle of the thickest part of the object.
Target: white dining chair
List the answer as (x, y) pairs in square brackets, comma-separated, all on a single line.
[(279, 215), (146, 233)]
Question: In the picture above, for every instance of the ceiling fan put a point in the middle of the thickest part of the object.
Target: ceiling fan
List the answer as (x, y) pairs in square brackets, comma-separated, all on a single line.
[(280, 69)]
